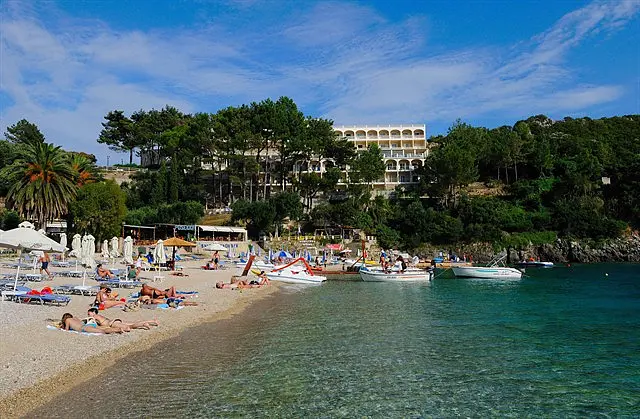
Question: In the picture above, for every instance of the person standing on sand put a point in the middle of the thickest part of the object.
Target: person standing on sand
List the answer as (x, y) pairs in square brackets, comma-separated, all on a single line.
[(44, 260)]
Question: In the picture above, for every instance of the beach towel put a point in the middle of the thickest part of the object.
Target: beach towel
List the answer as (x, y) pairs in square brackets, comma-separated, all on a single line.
[(51, 327)]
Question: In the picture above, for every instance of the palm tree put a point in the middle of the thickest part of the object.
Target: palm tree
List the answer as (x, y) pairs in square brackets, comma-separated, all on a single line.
[(83, 170), (44, 183)]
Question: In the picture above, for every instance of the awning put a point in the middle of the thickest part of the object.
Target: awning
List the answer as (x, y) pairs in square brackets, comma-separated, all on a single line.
[(223, 229)]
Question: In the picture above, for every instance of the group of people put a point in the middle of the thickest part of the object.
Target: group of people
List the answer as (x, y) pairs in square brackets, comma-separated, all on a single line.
[(240, 284), (97, 323), (387, 263)]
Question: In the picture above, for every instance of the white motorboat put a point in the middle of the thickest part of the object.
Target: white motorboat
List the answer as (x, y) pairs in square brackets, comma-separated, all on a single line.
[(534, 264), (493, 271), (293, 274), (409, 275), (487, 272)]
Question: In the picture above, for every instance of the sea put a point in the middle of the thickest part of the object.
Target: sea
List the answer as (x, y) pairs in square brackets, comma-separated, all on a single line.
[(561, 342)]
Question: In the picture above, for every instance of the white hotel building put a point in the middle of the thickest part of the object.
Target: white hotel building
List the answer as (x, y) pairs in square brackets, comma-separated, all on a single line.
[(404, 148)]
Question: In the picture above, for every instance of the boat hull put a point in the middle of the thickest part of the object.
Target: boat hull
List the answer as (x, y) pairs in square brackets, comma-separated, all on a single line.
[(296, 279), (379, 276), (486, 272), (535, 264)]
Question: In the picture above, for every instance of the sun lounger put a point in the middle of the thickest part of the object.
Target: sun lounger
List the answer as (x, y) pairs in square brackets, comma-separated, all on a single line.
[(44, 299), (122, 283)]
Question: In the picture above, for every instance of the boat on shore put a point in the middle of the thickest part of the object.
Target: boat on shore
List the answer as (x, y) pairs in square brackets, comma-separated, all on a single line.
[(493, 271), (409, 275), (293, 273)]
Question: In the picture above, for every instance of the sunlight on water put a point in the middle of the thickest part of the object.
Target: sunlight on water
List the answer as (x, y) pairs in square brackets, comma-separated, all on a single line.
[(561, 342)]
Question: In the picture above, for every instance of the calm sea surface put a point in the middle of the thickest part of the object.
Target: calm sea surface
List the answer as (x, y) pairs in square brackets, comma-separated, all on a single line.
[(562, 342)]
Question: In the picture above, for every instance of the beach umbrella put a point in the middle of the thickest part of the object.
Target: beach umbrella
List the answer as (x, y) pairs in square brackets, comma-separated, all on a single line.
[(285, 255), (26, 224), (158, 254), (63, 243), (114, 247), (26, 238), (88, 251), (215, 247), (128, 250), (176, 242), (105, 249), (76, 246)]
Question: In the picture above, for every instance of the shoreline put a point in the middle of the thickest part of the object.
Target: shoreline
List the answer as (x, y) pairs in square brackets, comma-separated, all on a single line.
[(20, 395)]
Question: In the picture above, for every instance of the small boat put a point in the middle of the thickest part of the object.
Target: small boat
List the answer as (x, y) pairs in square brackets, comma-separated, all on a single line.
[(487, 272), (493, 271), (409, 275), (293, 274), (534, 264)]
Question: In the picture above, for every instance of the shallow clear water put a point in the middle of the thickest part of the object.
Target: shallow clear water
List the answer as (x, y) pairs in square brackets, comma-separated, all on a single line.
[(563, 342)]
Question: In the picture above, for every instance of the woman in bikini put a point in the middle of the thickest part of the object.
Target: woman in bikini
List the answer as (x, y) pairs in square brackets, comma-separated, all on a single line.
[(105, 300), (103, 321), (156, 293), (69, 322)]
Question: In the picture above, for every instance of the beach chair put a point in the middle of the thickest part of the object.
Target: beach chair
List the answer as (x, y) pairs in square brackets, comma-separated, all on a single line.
[(51, 299)]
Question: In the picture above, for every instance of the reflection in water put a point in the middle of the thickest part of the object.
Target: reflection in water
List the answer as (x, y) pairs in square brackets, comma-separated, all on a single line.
[(562, 342)]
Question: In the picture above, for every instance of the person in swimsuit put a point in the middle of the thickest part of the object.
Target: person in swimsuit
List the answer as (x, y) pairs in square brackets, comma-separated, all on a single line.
[(105, 300), (103, 321), (156, 293), (69, 322), (44, 263), (145, 299), (104, 273)]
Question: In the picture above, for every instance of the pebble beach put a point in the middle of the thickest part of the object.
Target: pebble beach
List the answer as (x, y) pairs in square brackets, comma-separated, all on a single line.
[(37, 362)]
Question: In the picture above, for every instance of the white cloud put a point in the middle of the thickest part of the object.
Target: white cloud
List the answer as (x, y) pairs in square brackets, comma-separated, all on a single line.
[(345, 60)]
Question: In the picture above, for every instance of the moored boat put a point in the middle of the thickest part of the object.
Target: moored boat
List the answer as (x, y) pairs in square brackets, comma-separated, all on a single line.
[(293, 274), (493, 271), (487, 272), (534, 264), (409, 275)]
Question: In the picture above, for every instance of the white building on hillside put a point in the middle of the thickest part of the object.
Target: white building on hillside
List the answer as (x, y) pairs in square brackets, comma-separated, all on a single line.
[(404, 148)]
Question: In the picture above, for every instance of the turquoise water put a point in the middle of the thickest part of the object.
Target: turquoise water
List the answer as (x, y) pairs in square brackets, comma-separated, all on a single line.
[(560, 343)]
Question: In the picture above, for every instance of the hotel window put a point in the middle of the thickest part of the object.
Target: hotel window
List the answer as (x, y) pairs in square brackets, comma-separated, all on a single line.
[(403, 179)]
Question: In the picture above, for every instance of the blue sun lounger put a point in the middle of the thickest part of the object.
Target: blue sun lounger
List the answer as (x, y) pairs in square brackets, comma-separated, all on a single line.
[(52, 299)]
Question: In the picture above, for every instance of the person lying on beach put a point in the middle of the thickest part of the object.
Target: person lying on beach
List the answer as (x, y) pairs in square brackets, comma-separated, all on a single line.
[(104, 299), (104, 272), (103, 322), (156, 293), (238, 284), (145, 299), (69, 322)]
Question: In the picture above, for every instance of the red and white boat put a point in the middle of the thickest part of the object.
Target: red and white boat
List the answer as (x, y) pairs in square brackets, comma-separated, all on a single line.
[(294, 273)]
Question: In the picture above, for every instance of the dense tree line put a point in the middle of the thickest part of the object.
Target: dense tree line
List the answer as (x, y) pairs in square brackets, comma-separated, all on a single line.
[(529, 183)]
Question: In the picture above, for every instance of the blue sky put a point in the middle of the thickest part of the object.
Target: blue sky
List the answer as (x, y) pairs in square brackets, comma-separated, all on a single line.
[(65, 64)]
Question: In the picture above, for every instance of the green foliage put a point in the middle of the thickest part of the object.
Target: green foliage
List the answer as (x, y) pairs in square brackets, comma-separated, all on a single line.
[(99, 210), (119, 133), (189, 212), (159, 191), (9, 219), (387, 237), (24, 133), (43, 183), (368, 167)]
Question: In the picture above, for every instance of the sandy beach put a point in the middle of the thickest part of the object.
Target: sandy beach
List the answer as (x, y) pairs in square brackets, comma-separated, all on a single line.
[(36, 363)]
